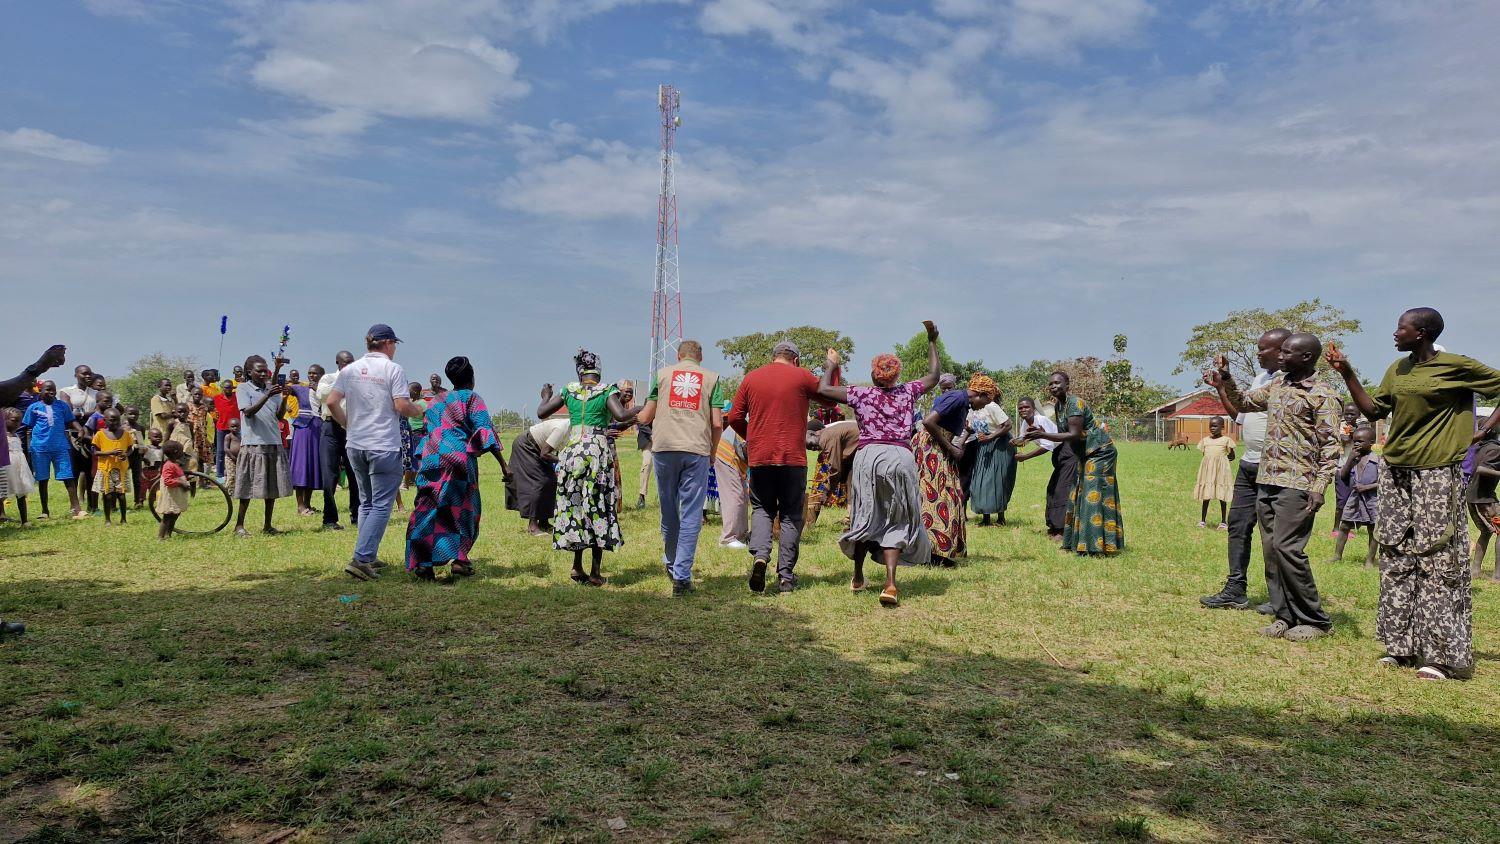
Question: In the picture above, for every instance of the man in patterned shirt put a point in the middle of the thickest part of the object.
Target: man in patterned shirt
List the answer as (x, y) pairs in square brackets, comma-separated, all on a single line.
[(1296, 466)]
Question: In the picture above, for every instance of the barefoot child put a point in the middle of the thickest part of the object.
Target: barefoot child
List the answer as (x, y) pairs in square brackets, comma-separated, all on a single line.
[(174, 488), (1480, 496), (112, 444), (16, 480), (231, 453), (1215, 473), (151, 460), (1361, 474)]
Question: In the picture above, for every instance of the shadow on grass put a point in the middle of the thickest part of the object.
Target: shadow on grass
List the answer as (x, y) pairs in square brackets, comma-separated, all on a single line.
[(540, 712)]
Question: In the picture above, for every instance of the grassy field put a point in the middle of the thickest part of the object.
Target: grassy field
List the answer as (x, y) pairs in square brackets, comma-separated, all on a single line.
[(211, 689)]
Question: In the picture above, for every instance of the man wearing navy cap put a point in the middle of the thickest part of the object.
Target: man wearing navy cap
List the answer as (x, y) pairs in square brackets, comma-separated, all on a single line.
[(368, 399)]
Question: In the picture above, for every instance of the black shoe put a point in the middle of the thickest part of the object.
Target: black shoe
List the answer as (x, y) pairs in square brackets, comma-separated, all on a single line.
[(758, 576), (1225, 600), (1265, 609), (331, 526), (681, 587), (11, 628), (424, 573), (785, 586), (379, 564)]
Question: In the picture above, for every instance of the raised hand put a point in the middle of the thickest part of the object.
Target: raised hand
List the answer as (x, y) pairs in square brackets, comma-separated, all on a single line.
[(1338, 360), (54, 357), (546, 391), (832, 359), (932, 332), (1221, 363), (1213, 378)]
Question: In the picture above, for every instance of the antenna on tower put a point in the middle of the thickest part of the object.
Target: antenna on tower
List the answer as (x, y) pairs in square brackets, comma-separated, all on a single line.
[(666, 300)]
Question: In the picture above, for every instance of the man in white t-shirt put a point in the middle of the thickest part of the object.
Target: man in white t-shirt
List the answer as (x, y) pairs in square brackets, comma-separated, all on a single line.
[(1242, 518), (332, 453), (369, 399)]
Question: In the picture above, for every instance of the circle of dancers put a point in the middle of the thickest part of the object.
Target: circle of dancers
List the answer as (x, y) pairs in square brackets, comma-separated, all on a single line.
[(909, 475)]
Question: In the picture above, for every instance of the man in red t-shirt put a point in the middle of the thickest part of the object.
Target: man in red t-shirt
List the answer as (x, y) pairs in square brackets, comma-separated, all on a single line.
[(770, 412), (226, 409)]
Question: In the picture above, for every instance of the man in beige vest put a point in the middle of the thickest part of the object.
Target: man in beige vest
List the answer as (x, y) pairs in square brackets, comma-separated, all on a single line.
[(684, 413)]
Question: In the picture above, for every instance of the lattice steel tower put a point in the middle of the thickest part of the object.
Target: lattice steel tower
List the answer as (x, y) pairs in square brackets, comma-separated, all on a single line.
[(666, 302)]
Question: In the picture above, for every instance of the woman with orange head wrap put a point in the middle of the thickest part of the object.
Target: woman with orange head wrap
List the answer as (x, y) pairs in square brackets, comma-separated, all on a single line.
[(885, 511)]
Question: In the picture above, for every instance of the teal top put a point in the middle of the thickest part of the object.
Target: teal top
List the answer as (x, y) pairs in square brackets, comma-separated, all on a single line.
[(589, 405), (1096, 437)]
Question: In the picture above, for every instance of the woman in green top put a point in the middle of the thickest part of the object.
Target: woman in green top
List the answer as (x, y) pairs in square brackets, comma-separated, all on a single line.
[(1093, 524), (1426, 613), (585, 516)]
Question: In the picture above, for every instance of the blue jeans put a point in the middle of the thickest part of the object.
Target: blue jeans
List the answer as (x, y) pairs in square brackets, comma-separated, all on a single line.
[(377, 474), (681, 484)]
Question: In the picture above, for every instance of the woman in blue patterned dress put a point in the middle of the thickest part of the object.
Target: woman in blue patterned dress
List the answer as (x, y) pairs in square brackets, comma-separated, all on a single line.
[(445, 515), (586, 517)]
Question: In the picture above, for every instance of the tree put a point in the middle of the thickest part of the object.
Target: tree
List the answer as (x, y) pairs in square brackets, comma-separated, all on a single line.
[(1236, 335), (138, 384), (506, 419), (1125, 392), (749, 351), (913, 355)]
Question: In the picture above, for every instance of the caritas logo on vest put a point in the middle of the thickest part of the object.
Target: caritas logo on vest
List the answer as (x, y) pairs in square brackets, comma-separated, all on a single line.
[(686, 391)]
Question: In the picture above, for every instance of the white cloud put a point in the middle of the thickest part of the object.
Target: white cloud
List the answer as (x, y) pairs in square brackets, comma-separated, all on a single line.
[(47, 145), (924, 98), (796, 24), (1054, 29)]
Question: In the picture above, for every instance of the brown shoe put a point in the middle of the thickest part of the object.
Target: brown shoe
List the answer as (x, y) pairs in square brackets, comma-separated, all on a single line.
[(1275, 630)]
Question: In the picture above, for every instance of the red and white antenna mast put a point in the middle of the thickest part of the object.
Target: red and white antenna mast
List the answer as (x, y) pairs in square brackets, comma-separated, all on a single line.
[(666, 301)]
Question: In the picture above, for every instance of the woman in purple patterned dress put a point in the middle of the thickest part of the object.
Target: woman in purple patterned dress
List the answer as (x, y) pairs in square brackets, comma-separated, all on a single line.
[(885, 508)]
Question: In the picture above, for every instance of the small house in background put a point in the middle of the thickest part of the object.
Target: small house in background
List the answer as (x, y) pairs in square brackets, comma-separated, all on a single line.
[(1186, 417)]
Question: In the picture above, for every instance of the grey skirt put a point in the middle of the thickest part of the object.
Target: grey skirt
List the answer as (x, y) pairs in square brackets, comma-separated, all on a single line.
[(261, 473), (885, 505)]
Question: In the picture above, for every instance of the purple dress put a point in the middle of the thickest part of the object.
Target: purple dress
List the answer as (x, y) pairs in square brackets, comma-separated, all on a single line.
[(307, 433)]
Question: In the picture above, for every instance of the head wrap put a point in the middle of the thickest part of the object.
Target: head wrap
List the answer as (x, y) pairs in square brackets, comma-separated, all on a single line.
[(885, 369), (460, 372), (586, 363), (984, 385), (947, 381)]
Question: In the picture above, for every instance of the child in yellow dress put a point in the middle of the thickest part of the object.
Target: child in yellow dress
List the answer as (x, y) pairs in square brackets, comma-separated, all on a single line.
[(112, 444), (1215, 473)]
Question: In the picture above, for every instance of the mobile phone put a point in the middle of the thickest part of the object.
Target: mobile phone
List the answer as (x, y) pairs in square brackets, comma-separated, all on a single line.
[(280, 380)]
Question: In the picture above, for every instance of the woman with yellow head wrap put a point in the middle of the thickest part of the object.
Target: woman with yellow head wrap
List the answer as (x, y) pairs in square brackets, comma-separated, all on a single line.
[(993, 477)]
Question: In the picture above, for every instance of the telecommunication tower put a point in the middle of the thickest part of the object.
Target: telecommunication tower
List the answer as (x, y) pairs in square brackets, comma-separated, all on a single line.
[(666, 301)]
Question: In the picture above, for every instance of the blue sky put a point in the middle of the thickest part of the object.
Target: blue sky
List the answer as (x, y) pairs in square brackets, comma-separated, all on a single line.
[(1035, 175)]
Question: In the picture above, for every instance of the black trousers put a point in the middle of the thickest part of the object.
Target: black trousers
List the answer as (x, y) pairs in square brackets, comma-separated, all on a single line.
[(1060, 486), (333, 457), (1242, 527), (777, 492), (1285, 526)]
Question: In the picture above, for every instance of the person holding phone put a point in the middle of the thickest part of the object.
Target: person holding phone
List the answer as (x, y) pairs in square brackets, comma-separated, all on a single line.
[(261, 471)]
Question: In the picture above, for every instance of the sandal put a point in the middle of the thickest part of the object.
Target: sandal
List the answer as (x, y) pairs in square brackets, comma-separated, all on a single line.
[(579, 577), (596, 581), (888, 597), (462, 569), (857, 586)]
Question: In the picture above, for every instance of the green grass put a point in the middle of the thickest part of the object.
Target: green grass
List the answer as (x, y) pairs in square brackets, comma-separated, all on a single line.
[(218, 688)]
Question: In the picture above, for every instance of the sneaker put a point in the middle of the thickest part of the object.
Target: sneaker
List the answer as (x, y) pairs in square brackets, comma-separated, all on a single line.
[(786, 586), (1275, 630), (378, 564), (1225, 600), (734, 544), (758, 576), (1389, 661), (1265, 609), (1432, 672), (681, 587), (44, 516), (11, 628), (1304, 633), (361, 571)]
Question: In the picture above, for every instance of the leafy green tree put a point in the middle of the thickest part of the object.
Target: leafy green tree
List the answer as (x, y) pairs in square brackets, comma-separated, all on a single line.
[(749, 351), (1235, 336), (1126, 392), (509, 420), (913, 355), (138, 384)]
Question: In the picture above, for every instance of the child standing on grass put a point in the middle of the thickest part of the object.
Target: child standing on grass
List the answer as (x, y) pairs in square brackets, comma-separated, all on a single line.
[(16, 480), (151, 460), (174, 488), (231, 453), (1215, 473), (1484, 509), (112, 444), (1361, 475)]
